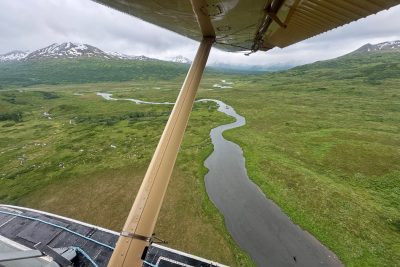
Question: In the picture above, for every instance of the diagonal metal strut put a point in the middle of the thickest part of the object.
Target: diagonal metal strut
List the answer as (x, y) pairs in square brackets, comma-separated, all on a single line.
[(143, 215)]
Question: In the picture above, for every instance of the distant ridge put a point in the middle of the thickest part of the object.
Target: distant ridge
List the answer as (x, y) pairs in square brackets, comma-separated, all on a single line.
[(14, 55), (117, 55), (385, 46), (67, 50), (70, 50), (372, 64), (180, 59)]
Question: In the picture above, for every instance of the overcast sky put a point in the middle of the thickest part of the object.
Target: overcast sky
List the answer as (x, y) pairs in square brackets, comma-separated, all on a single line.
[(33, 24)]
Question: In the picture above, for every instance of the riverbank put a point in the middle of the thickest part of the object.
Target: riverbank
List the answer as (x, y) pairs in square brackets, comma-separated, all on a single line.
[(327, 153), (256, 223)]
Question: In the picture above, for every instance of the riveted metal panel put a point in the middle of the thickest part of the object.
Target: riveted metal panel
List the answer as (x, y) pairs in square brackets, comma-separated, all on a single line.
[(235, 23)]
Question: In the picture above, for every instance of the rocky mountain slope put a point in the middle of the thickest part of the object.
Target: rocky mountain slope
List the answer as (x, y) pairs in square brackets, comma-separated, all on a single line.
[(73, 63), (370, 63), (13, 56), (180, 59), (74, 50), (385, 46), (67, 50)]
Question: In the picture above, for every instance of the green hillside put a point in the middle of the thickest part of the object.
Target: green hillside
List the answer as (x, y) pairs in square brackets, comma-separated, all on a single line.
[(86, 70), (370, 67), (90, 70), (323, 141)]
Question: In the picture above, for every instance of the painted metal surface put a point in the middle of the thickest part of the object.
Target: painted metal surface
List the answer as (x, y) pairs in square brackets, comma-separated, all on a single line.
[(139, 226), (237, 22), (11, 242), (19, 255), (166, 257), (7, 246), (25, 233), (308, 18)]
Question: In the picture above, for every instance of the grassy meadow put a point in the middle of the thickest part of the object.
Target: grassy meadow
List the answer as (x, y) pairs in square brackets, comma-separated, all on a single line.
[(68, 151), (326, 149), (321, 140)]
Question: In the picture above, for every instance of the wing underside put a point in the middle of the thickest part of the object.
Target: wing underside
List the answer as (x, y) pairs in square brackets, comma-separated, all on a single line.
[(241, 25)]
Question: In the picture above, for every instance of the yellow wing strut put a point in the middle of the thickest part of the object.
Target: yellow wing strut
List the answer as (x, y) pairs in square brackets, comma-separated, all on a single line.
[(139, 226), (142, 218)]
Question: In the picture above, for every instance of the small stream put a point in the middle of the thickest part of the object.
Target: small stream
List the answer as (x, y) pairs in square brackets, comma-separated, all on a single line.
[(255, 222)]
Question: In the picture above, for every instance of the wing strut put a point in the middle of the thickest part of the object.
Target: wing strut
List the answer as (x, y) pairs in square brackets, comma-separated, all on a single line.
[(139, 227)]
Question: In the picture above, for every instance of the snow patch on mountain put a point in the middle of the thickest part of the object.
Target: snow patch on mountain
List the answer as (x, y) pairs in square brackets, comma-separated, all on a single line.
[(142, 57), (385, 46), (180, 59), (67, 50), (15, 55), (70, 50), (117, 55)]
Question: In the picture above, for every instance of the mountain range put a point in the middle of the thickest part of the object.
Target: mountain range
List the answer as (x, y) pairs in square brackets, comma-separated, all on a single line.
[(180, 59), (75, 50), (385, 46), (70, 50), (70, 63)]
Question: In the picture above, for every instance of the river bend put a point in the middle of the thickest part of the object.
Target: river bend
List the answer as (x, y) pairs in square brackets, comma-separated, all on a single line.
[(255, 222)]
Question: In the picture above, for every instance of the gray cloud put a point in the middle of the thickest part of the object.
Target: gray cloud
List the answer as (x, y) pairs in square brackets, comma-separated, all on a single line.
[(33, 24)]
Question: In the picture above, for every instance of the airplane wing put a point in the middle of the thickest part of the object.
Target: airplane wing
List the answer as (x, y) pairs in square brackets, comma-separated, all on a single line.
[(251, 25)]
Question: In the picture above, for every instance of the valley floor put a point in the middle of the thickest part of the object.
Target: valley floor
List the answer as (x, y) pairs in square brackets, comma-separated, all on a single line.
[(327, 152), (70, 152)]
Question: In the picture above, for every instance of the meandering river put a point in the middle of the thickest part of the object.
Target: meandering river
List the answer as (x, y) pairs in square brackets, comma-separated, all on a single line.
[(255, 222)]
